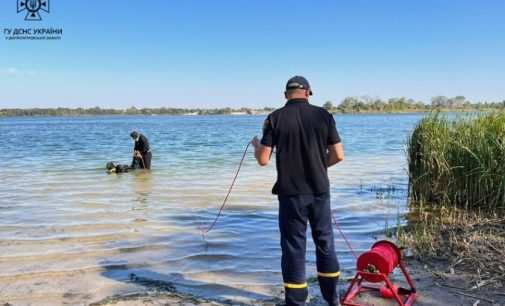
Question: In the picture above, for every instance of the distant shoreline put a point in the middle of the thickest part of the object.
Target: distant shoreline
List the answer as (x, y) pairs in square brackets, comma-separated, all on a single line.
[(350, 105), (59, 112)]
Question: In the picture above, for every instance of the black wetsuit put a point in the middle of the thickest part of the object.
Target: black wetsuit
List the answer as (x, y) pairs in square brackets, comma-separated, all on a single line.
[(142, 145)]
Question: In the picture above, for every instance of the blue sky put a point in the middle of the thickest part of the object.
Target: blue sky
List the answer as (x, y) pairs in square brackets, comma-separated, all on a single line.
[(237, 53)]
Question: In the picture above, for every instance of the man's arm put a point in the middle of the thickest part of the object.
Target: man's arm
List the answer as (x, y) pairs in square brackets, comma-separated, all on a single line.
[(335, 154), (262, 153), (263, 148), (335, 148)]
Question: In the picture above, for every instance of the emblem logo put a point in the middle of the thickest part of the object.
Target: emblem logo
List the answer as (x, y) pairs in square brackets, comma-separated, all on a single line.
[(33, 8)]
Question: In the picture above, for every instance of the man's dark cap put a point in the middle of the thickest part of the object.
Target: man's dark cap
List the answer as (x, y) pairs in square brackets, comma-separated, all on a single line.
[(298, 82), (134, 134)]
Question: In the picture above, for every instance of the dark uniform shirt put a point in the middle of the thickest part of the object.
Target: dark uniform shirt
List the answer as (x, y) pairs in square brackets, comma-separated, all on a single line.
[(300, 133), (142, 144)]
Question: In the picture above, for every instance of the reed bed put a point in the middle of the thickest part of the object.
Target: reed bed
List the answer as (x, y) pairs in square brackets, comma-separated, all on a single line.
[(459, 161), (457, 193)]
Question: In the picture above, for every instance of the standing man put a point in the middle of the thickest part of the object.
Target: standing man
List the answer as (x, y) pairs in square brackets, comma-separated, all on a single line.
[(141, 151), (306, 143)]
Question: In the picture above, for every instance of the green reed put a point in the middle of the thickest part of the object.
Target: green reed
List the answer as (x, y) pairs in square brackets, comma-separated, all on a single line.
[(459, 162)]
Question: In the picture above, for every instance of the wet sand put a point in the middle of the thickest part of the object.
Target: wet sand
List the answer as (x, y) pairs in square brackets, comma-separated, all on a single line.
[(431, 281), (435, 285)]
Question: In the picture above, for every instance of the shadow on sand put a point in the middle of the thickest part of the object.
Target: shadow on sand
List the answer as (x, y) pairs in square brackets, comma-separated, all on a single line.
[(153, 283)]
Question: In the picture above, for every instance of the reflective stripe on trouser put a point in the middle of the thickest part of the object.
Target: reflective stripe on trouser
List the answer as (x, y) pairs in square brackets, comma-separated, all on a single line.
[(328, 274), (294, 213), (295, 286), (328, 282)]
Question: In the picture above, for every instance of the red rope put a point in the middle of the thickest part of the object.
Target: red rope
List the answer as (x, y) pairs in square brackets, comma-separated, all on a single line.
[(220, 212), (205, 231), (344, 236)]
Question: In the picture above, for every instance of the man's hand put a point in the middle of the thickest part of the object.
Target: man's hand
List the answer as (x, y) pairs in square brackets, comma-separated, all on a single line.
[(261, 153)]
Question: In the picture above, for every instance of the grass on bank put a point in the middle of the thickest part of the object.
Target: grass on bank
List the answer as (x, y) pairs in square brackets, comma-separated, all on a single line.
[(459, 161), (457, 192)]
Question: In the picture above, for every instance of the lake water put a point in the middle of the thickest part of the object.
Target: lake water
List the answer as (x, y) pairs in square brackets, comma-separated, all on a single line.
[(71, 233)]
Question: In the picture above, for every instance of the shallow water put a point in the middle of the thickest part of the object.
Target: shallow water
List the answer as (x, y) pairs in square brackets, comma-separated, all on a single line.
[(70, 233)]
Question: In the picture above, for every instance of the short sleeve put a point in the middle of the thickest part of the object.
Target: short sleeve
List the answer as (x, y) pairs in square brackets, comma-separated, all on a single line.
[(268, 133), (333, 136)]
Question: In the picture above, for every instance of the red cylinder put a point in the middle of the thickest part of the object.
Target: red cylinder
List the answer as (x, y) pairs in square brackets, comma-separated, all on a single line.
[(381, 259)]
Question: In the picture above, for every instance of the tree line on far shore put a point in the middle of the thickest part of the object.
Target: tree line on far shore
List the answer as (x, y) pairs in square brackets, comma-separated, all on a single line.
[(363, 104), (400, 105), (96, 111)]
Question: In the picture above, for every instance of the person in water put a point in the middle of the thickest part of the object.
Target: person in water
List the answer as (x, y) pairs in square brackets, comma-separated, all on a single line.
[(307, 143), (141, 152), (112, 167)]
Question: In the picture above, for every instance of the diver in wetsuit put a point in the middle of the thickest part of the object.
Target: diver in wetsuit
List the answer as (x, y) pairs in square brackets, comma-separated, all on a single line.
[(141, 152)]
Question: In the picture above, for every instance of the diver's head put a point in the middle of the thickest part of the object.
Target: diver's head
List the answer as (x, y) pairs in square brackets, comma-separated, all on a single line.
[(134, 135), (111, 167)]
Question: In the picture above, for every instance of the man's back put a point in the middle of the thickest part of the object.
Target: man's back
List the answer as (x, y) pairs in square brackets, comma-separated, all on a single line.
[(306, 143), (142, 144), (301, 133)]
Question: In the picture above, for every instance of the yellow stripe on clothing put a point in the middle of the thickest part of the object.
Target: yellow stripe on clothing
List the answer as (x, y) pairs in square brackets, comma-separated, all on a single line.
[(295, 286), (334, 274)]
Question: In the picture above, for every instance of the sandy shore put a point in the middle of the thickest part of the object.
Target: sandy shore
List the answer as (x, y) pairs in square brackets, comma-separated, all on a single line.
[(436, 285)]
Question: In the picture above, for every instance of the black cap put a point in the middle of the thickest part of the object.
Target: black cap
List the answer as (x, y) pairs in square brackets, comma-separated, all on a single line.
[(298, 82), (134, 134)]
